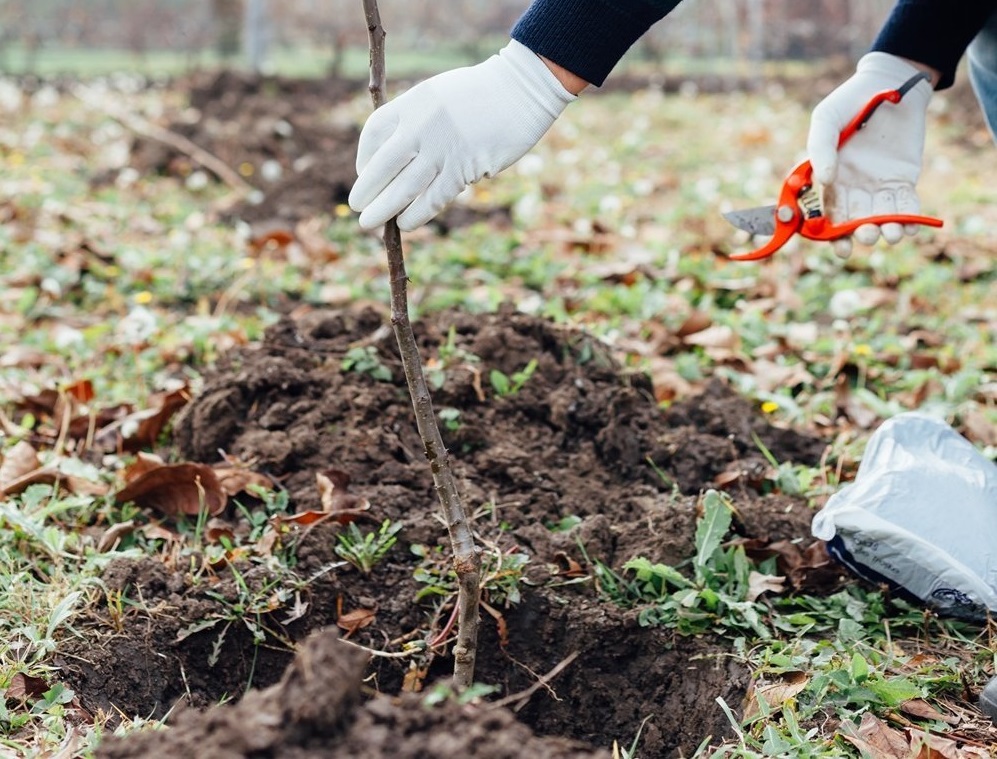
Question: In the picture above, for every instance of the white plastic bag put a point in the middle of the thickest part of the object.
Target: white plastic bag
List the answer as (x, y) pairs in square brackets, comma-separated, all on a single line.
[(921, 515)]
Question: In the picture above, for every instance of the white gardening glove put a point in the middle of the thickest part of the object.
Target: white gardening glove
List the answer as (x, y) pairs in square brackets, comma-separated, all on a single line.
[(419, 151), (877, 169)]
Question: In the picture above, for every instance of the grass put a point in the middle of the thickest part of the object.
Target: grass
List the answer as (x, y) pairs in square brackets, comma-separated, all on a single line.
[(135, 289)]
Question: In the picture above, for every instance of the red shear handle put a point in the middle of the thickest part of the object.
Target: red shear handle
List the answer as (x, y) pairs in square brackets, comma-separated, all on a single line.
[(823, 228)]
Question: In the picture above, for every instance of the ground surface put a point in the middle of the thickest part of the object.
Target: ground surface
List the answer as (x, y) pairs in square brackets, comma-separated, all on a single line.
[(702, 376), (574, 442)]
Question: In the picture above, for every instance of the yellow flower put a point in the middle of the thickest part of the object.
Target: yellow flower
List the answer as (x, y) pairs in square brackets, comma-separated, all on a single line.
[(342, 210), (246, 169), (15, 159), (770, 407), (143, 298), (247, 262), (862, 349)]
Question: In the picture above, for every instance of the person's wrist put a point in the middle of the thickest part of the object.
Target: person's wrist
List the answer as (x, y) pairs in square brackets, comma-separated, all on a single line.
[(935, 74), (571, 82)]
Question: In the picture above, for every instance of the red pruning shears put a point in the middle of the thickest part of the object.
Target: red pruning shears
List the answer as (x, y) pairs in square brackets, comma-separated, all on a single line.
[(800, 211)]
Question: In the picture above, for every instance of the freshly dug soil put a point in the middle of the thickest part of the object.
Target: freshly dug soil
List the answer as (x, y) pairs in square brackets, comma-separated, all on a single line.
[(579, 465)]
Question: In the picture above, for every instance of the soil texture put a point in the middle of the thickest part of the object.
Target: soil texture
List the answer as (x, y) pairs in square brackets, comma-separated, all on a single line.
[(578, 465)]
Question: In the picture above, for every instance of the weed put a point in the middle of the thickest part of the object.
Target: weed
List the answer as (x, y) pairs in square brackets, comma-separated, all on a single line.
[(715, 597), (501, 574), (364, 550), (504, 384), (450, 418), (365, 359)]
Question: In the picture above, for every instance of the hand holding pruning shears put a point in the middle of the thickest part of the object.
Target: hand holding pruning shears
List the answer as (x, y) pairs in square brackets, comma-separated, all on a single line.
[(871, 183)]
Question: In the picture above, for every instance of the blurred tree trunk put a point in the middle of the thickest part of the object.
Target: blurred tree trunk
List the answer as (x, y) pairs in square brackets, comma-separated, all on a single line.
[(255, 34), (227, 15), (757, 30)]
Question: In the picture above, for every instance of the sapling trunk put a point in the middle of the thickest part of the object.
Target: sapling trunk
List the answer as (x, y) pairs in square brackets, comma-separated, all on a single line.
[(466, 557)]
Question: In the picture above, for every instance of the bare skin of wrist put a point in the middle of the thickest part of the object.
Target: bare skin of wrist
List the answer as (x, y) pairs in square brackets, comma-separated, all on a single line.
[(934, 73), (571, 82)]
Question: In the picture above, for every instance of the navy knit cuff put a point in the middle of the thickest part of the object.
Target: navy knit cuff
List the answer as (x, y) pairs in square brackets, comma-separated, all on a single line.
[(933, 33), (587, 37)]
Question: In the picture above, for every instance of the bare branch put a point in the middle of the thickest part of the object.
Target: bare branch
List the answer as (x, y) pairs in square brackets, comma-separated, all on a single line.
[(466, 557)]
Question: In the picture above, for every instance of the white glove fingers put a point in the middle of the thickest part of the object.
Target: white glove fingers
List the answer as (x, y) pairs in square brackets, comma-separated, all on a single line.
[(410, 183), (860, 205), (884, 202), (382, 171), (378, 129), (843, 247), (822, 145), (908, 202), (447, 186)]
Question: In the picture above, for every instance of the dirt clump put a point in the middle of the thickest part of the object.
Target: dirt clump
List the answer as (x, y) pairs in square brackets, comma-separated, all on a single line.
[(315, 710), (576, 464)]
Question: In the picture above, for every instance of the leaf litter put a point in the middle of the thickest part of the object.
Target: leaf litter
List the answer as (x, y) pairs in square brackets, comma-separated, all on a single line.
[(290, 447)]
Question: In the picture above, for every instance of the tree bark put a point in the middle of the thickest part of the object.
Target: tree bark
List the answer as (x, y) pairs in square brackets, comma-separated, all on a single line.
[(466, 556)]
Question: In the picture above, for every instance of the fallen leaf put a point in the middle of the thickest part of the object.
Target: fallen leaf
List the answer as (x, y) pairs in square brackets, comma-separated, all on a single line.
[(175, 489), (876, 739), (235, 480), (113, 535), (759, 584), (357, 619), (918, 707), (22, 687), (930, 746), (977, 427), (333, 487), (414, 677), (566, 566), (19, 461), (217, 530), (775, 695), (142, 429)]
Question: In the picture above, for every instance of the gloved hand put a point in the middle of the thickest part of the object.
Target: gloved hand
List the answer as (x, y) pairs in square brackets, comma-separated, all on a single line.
[(877, 169), (419, 151)]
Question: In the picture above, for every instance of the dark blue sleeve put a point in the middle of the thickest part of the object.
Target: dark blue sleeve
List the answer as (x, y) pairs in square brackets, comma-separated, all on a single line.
[(934, 32), (587, 37)]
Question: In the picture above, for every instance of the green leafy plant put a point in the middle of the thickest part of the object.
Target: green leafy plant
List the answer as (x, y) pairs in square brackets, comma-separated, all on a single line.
[(502, 574), (364, 550), (365, 359), (504, 384), (714, 597), (450, 418)]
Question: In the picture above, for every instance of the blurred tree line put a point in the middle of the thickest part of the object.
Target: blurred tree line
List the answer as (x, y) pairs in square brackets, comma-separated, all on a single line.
[(234, 29)]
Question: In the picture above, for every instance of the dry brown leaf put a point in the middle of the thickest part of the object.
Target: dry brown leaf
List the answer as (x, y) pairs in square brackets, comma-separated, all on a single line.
[(717, 336), (930, 746), (357, 619), (774, 694), (142, 429), (414, 677), (566, 566), (176, 489), (918, 707), (877, 739), (697, 321), (23, 687), (113, 535), (19, 461), (333, 487), (977, 427), (218, 529), (235, 480), (158, 532), (759, 584), (81, 390)]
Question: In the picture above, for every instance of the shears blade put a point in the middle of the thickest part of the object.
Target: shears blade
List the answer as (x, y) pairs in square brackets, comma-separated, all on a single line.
[(756, 221)]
